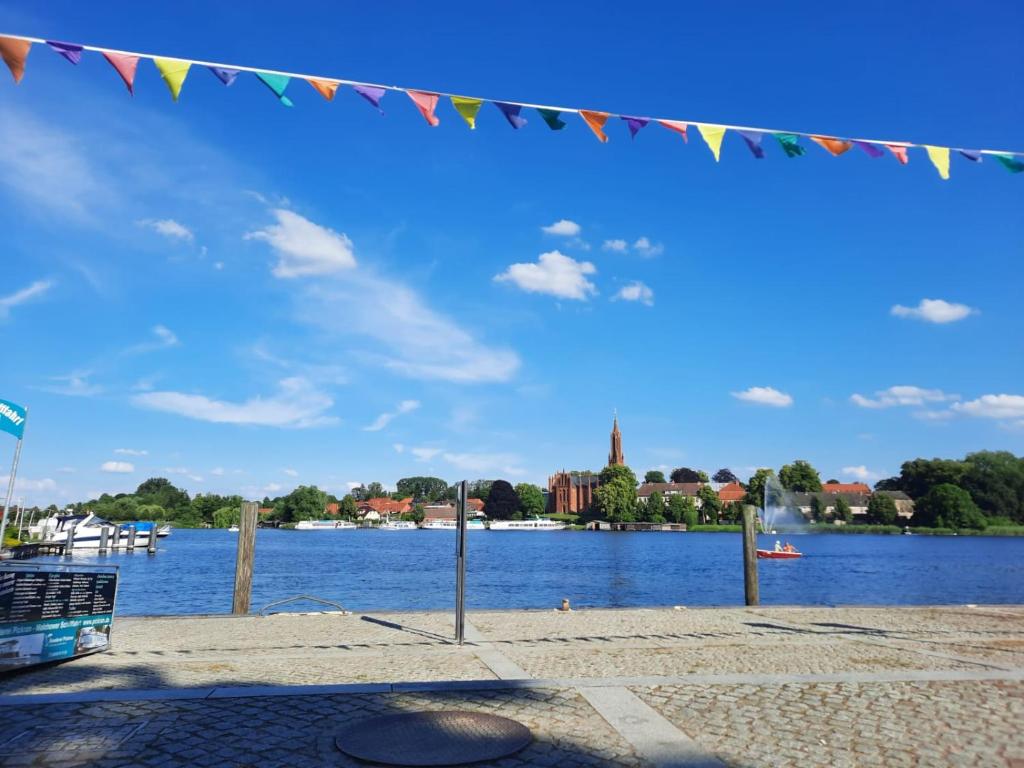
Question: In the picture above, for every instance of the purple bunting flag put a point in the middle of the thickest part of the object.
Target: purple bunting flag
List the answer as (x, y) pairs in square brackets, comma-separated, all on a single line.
[(971, 154), (869, 148), (69, 51), (511, 113), (753, 140), (226, 76), (635, 124), (371, 94)]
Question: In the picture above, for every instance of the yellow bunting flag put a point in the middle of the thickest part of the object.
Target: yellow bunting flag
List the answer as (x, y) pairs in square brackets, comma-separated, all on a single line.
[(174, 72), (14, 52), (596, 121), (326, 88), (836, 147), (712, 135), (940, 159), (467, 108)]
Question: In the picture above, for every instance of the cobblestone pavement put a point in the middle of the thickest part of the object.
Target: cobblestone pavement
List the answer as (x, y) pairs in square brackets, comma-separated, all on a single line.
[(665, 687)]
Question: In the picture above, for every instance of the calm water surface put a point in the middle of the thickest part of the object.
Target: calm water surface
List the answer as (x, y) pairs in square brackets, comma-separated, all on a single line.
[(193, 571)]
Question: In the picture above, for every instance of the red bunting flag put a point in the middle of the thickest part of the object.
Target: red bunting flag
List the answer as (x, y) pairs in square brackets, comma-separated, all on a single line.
[(834, 146), (14, 52), (596, 121), (326, 88), (900, 153), (125, 66), (426, 103), (676, 125)]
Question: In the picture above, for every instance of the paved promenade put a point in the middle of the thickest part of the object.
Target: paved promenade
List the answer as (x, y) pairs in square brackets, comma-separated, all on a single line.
[(665, 687)]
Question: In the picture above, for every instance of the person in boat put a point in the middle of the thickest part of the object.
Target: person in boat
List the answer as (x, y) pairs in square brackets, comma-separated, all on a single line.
[(789, 548), (778, 545)]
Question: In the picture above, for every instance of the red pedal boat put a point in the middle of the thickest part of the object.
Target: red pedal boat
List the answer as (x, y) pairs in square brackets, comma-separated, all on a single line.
[(771, 554)]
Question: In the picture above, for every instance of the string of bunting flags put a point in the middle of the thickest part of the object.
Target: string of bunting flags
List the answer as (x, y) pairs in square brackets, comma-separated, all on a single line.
[(14, 50)]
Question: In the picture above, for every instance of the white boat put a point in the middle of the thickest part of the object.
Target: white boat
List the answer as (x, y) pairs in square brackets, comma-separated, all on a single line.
[(324, 525), (398, 525), (233, 529), (532, 524), (451, 525), (163, 531), (88, 528)]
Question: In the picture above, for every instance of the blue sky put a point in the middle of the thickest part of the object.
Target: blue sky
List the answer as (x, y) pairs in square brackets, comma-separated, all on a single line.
[(243, 297)]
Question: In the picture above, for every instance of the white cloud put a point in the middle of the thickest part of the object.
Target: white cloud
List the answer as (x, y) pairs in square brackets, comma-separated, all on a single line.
[(353, 484), (425, 454), (860, 472), (272, 487), (217, 471), (399, 447), (555, 274), (484, 463), (218, 265), (619, 246), (169, 228), (118, 467), (935, 311), (636, 291), (563, 227), (765, 396), (297, 405), (290, 472), (406, 406), (933, 415), (165, 338), (24, 484), (131, 452), (902, 395), (645, 247), (304, 247), (38, 288), (993, 407), (74, 384)]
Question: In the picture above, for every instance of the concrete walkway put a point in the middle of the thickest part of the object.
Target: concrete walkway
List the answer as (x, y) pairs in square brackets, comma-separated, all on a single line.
[(708, 687)]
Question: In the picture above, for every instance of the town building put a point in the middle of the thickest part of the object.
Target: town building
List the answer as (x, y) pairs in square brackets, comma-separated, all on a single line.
[(643, 493), (615, 456), (571, 493), (861, 488), (731, 493)]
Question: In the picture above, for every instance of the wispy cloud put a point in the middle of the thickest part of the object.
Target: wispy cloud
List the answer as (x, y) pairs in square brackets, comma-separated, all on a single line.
[(764, 396), (563, 228), (860, 472), (74, 384), (935, 311), (169, 228), (1003, 407), (425, 454), (636, 291), (618, 245), (296, 405), (406, 406), (642, 246), (165, 338), (36, 289), (290, 472), (554, 274), (131, 452), (304, 247), (486, 463), (117, 467), (902, 395)]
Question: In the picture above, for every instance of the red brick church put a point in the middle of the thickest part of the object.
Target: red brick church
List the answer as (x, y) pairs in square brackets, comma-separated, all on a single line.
[(573, 492)]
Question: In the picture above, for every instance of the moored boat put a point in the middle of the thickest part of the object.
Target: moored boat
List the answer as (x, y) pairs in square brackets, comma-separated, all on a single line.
[(771, 554), (531, 524), (451, 525), (88, 530), (398, 525), (324, 525)]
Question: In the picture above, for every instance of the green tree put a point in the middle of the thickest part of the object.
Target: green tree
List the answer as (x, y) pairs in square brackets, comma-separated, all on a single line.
[(818, 508), (882, 509), (422, 488), (416, 514), (502, 502), (843, 511), (225, 517), (947, 506), (151, 512), (654, 509), (204, 505), (725, 475), (376, 491), (888, 484), (676, 508), (919, 476), (124, 508), (690, 514), (685, 475), (615, 498), (654, 476), (347, 508), (531, 500), (307, 502), (710, 504), (995, 480), (755, 487), (479, 489), (160, 490), (800, 476)]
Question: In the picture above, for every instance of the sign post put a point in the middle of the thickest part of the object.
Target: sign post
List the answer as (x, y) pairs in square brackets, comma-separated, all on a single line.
[(460, 564), (12, 420)]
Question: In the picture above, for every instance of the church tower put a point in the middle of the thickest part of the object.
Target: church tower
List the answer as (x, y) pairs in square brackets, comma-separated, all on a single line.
[(615, 457)]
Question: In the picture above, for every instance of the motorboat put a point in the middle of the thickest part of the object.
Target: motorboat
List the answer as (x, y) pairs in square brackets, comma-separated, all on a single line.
[(531, 524), (88, 529), (324, 525), (398, 525), (233, 529), (476, 524), (163, 531), (774, 554)]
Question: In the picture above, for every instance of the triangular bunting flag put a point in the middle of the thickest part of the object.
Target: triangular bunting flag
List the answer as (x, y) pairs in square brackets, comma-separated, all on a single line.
[(753, 140), (870, 149), (635, 124), (125, 66), (467, 108), (14, 52), (326, 88), (174, 72), (790, 143), (940, 159), (971, 154), (276, 83), (551, 117), (511, 113), (226, 76), (426, 103), (69, 51), (596, 121), (835, 146), (372, 94), (1010, 162), (677, 126), (712, 135), (900, 152)]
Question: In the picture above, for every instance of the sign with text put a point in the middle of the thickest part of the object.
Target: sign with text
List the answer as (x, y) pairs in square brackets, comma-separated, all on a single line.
[(54, 612)]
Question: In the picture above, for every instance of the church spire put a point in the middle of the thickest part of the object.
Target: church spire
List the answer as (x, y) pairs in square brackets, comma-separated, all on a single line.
[(615, 456)]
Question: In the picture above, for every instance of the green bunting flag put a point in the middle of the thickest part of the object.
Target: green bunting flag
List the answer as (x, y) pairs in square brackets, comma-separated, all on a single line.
[(790, 144), (550, 116), (276, 83), (1010, 163)]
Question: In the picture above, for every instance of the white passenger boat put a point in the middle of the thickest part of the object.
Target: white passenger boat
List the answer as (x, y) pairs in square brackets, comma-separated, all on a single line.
[(398, 525), (532, 524), (88, 528), (324, 525), (451, 525)]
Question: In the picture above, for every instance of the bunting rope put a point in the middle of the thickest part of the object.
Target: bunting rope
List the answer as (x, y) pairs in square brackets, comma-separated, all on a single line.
[(14, 50)]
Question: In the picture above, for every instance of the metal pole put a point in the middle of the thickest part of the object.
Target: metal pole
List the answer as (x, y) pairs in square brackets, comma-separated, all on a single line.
[(151, 545), (244, 561), (750, 585), (10, 484), (460, 564)]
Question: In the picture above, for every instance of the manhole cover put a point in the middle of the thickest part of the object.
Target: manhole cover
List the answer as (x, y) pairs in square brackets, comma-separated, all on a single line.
[(433, 738)]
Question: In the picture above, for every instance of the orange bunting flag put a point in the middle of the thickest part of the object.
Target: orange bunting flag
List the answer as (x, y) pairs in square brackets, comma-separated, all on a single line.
[(326, 88), (426, 103), (14, 52), (677, 126), (596, 121), (835, 146), (125, 66), (940, 159), (899, 152)]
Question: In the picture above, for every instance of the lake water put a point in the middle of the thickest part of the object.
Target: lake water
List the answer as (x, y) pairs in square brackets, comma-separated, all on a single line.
[(193, 571)]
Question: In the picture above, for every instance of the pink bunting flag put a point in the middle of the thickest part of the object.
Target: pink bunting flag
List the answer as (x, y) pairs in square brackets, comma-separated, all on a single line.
[(426, 103), (14, 52), (125, 66), (900, 153), (676, 125)]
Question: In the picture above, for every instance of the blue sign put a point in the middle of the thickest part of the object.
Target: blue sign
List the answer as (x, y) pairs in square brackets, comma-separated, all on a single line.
[(12, 418)]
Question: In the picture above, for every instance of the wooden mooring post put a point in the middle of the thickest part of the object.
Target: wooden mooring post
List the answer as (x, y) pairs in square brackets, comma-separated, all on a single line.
[(115, 537), (104, 536), (244, 561), (151, 544), (750, 585), (130, 546)]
